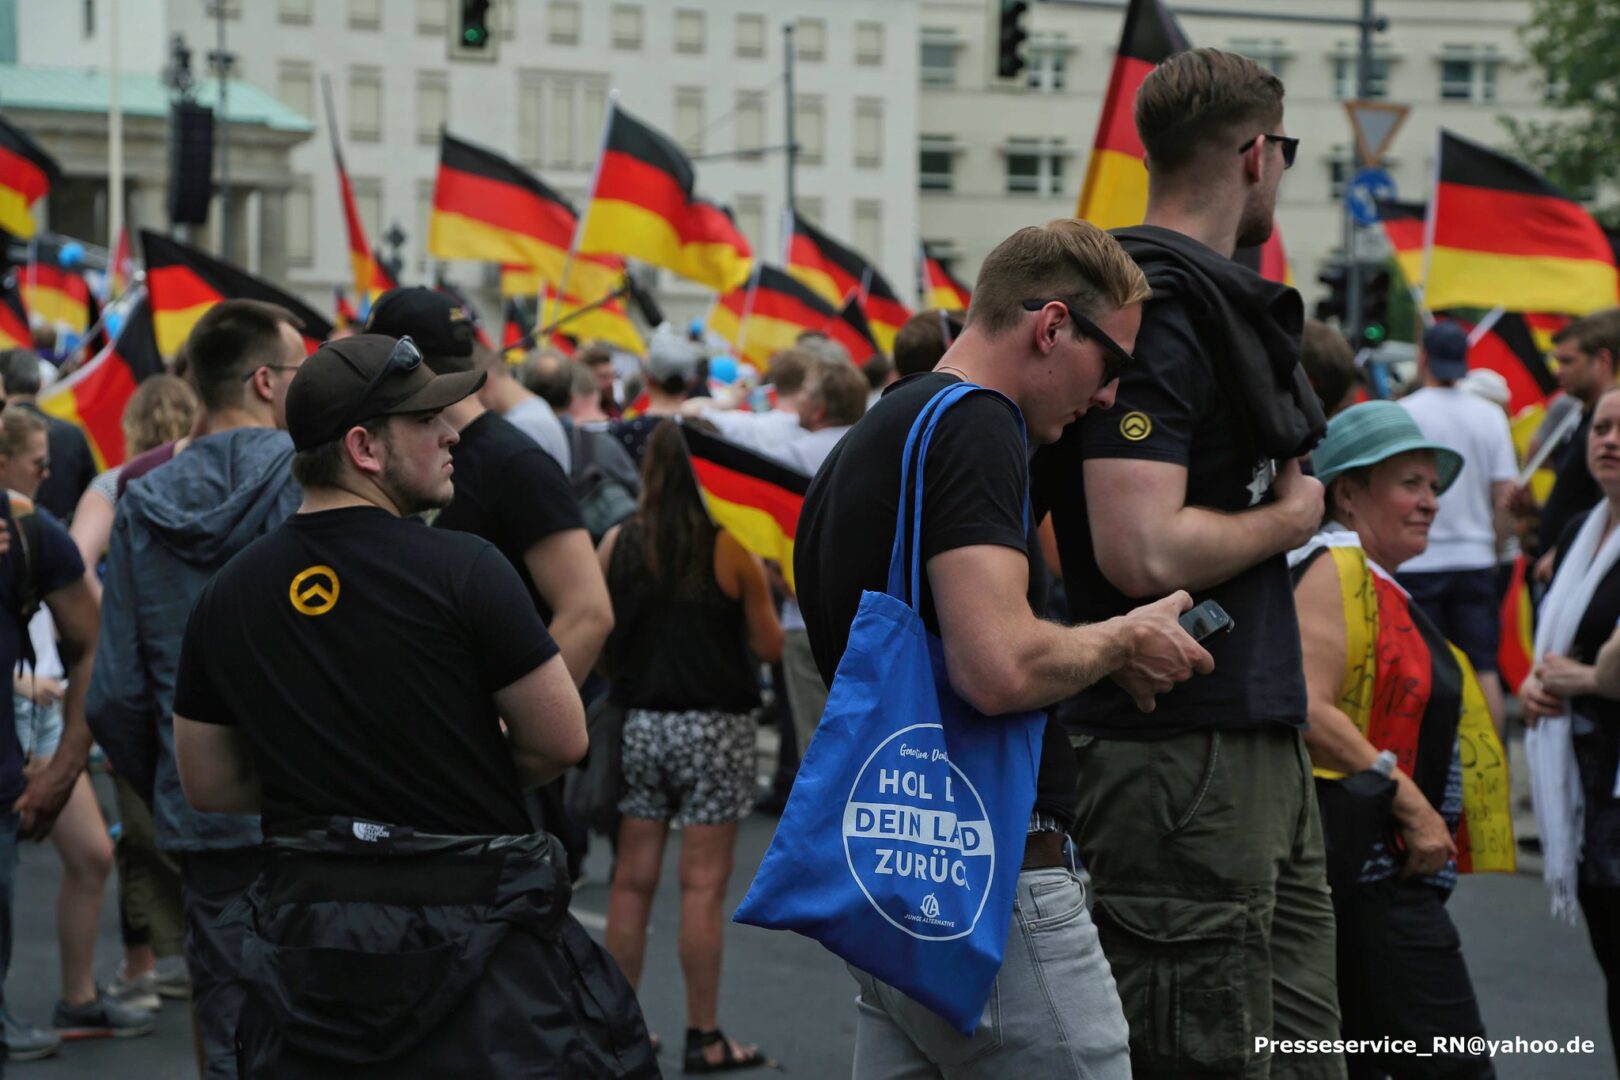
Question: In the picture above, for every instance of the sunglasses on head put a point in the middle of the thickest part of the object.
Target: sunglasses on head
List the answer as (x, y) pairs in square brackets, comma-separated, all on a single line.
[(405, 358), (1289, 144), (1114, 355)]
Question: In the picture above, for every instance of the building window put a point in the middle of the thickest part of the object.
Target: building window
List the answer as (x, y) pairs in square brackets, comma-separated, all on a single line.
[(432, 105), (1034, 168), (1466, 77), (1269, 53), (750, 123), (868, 231), (810, 39), (1340, 170), (559, 118), (936, 164), (868, 133), (300, 223), (1048, 65), (368, 203), (751, 35), (868, 44), (562, 22), (689, 32), (295, 88), (938, 63), (1344, 78), (626, 26), (689, 119), (365, 14), (294, 11), (432, 16), (748, 211), (365, 104), (809, 124)]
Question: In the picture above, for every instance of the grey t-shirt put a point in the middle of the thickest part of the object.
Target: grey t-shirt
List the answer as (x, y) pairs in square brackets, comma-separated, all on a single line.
[(534, 418)]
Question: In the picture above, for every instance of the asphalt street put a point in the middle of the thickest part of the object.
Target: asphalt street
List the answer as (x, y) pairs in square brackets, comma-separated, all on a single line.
[(1535, 977)]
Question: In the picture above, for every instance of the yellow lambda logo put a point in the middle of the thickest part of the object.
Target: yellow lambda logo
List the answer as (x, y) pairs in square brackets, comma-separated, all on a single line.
[(314, 591), (1135, 426)]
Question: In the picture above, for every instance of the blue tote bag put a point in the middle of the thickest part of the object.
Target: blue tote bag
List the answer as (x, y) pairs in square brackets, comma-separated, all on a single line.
[(900, 846)]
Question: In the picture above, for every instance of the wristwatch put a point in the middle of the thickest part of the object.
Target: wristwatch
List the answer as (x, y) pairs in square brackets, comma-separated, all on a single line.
[(1384, 764)]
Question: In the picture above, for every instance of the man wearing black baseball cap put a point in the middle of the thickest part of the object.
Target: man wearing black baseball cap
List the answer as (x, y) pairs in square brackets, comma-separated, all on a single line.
[(512, 493), (347, 677)]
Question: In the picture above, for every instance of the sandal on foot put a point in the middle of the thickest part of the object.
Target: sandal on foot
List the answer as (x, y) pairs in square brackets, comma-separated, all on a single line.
[(697, 1041)]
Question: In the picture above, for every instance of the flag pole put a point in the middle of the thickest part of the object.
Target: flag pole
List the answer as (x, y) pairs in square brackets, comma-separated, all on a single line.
[(540, 331), (748, 310), (1485, 325), (1429, 215), (541, 311)]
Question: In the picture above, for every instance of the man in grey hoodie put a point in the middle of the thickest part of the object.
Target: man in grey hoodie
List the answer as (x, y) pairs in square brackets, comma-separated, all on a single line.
[(175, 527)]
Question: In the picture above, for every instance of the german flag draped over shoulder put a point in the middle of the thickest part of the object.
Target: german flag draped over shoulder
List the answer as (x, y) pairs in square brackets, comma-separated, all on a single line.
[(57, 295), (940, 289), (643, 206), (183, 283), (768, 314), (1501, 235), (1116, 185), (94, 396), (14, 329), (850, 329), (27, 172), (1402, 223), (1422, 700), (753, 498)]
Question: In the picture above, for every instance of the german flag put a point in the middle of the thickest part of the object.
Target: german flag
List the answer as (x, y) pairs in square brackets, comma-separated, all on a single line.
[(26, 173), (346, 317), (57, 295), (849, 328), (768, 315), (370, 279), (120, 271), (1500, 235), (1509, 349), (833, 271), (1515, 652), (1403, 228), (608, 322), (1543, 326), (642, 206), (604, 273), (1116, 185), (14, 328), (514, 332), (939, 288), (884, 312), (94, 396), (753, 498), (183, 282)]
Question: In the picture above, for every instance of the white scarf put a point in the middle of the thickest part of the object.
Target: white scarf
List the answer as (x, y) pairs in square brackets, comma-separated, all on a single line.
[(1555, 783)]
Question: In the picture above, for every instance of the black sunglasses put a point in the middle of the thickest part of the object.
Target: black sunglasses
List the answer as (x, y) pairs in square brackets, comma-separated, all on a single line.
[(1114, 355), (405, 358), (1289, 144)]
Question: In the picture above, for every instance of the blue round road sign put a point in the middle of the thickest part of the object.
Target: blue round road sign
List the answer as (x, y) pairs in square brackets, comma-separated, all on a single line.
[(1367, 188)]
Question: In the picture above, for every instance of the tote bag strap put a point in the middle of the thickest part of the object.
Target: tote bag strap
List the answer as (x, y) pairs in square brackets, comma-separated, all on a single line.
[(908, 587)]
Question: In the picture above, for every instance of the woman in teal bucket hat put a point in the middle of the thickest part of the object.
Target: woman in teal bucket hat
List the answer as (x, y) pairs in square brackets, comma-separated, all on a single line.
[(1389, 703)]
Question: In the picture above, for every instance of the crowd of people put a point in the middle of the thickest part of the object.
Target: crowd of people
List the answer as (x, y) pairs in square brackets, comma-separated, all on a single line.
[(344, 623)]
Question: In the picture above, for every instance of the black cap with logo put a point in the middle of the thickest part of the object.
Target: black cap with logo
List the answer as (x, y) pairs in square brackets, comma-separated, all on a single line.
[(355, 379), (440, 327)]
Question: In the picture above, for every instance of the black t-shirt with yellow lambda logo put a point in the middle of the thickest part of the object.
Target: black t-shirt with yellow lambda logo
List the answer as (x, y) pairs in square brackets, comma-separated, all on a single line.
[(359, 653)]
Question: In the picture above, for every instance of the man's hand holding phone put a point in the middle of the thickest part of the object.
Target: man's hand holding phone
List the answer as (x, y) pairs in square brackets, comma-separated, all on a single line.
[(1160, 651)]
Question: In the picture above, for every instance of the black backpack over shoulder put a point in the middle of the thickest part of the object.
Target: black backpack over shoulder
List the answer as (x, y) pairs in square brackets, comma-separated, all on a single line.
[(605, 480)]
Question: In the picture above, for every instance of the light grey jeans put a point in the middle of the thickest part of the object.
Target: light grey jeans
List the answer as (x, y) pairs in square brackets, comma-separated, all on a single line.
[(1053, 1011)]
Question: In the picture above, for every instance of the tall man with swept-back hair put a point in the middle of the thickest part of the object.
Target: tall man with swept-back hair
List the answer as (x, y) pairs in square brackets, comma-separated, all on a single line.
[(1198, 821), (175, 527)]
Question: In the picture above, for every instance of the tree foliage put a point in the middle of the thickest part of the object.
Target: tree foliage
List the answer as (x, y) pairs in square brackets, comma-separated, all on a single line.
[(1576, 43)]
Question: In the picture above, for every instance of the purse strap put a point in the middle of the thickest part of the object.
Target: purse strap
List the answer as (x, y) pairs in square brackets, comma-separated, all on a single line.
[(903, 585)]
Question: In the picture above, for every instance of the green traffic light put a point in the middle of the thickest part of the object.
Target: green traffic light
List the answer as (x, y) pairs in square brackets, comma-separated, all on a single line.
[(473, 35), (1373, 334)]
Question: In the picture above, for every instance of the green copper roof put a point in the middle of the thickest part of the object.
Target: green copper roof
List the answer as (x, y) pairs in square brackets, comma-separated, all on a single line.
[(83, 90)]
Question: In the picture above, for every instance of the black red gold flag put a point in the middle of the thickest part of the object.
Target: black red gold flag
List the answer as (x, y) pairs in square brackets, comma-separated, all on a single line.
[(755, 499)]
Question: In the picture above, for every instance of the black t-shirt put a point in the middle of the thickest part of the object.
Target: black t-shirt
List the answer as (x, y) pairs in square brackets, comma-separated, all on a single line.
[(359, 653), (510, 492), (1171, 407), (1574, 492), (974, 484)]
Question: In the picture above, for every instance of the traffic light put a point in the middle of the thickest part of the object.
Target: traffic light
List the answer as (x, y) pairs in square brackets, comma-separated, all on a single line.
[(1374, 306), (474, 24), (1011, 36), (1335, 305)]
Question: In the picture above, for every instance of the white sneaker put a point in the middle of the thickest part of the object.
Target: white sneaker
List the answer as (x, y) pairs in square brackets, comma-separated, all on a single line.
[(139, 992)]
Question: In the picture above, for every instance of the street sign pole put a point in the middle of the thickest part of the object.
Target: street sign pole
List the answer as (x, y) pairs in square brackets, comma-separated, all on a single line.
[(1352, 269)]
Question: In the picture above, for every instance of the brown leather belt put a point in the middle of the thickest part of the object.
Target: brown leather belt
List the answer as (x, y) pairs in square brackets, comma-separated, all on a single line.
[(1043, 850)]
